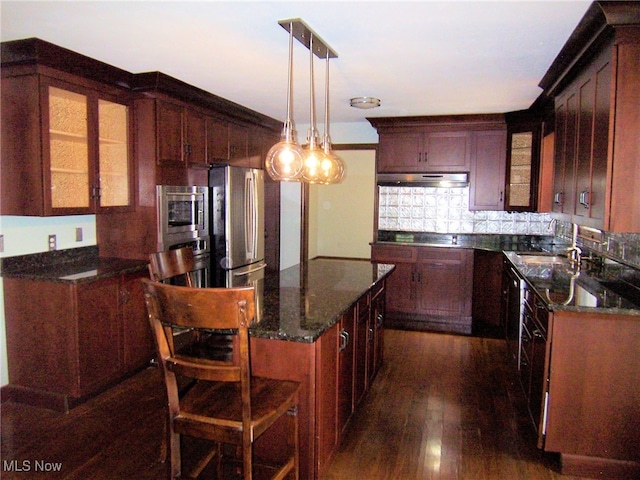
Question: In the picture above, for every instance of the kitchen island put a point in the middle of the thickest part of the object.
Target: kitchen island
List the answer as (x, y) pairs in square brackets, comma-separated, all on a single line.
[(321, 325)]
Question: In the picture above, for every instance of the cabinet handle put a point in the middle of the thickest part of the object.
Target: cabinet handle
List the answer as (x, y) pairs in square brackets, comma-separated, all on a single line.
[(558, 198), (344, 336), (501, 194), (371, 334), (584, 198)]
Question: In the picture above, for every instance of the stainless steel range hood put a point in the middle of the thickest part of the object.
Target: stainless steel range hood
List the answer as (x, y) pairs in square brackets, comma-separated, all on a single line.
[(423, 179)]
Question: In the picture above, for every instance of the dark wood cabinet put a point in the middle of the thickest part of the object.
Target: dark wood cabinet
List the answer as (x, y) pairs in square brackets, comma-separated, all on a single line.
[(424, 151), (431, 287), (593, 390), (235, 144), (377, 314), (363, 344), (486, 302), (326, 396), (181, 135), (488, 170), (331, 373), (594, 82), (66, 145), (69, 340), (346, 369)]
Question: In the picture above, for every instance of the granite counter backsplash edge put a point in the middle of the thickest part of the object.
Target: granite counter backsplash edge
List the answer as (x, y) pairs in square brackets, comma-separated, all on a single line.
[(47, 259)]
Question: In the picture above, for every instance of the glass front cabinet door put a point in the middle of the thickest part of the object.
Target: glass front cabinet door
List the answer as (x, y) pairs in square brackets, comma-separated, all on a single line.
[(87, 150), (522, 168)]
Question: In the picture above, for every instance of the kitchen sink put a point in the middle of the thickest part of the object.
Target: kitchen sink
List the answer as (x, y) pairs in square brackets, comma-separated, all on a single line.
[(541, 259)]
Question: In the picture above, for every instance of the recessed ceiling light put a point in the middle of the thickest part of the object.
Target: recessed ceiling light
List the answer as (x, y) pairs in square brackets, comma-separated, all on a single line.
[(365, 102)]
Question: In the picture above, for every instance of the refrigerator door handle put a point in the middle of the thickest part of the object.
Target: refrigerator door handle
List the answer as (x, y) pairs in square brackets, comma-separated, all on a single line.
[(251, 216), (253, 270)]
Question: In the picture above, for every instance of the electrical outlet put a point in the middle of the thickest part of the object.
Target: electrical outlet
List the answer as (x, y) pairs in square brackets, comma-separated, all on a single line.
[(52, 242), (78, 234)]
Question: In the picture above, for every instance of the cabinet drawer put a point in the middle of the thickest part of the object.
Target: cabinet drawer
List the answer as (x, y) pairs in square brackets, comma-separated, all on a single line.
[(392, 254), (448, 255)]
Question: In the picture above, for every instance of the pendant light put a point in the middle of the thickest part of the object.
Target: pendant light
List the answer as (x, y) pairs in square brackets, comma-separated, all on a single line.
[(312, 156), (333, 168), (284, 159)]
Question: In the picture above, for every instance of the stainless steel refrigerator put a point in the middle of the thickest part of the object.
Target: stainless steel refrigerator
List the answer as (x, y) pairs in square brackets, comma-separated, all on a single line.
[(236, 228)]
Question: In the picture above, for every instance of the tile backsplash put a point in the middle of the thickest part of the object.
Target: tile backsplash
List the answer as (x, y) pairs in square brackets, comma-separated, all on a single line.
[(446, 210)]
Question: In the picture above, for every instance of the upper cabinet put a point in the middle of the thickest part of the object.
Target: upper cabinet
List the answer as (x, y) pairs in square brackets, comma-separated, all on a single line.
[(66, 146), (181, 135), (524, 148), (486, 190), (424, 151), (595, 82), (475, 144), (423, 144)]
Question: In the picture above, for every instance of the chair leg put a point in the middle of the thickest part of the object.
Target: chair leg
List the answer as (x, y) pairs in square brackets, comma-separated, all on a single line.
[(173, 441), (247, 459)]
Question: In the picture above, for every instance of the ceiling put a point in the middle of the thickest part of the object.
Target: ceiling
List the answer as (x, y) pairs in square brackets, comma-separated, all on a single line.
[(419, 57)]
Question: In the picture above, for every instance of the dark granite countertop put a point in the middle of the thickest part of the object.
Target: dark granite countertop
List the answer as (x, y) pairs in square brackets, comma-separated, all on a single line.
[(606, 288), (75, 265), (304, 301), (479, 241)]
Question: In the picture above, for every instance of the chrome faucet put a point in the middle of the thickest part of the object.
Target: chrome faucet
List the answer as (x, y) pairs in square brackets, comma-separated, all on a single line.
[(574, 252)]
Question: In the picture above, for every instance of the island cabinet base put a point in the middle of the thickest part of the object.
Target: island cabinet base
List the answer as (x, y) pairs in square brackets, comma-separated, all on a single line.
[(291, 361), (320, 368)]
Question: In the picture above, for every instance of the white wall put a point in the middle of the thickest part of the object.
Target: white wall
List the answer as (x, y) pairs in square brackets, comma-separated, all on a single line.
[(341, 216), (27, 235)]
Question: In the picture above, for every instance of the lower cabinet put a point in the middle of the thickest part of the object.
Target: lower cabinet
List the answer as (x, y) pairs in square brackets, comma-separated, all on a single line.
[(69, 340), (335, 372), (431, 287), (487, 288), (593, 412), (581, 380)]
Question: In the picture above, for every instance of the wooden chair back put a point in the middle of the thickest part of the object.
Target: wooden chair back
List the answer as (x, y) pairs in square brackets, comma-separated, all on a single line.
[(225, 404), (172, 264)]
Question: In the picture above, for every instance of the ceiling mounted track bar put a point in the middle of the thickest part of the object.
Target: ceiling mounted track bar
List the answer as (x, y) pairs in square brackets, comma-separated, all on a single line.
[(302, 32)]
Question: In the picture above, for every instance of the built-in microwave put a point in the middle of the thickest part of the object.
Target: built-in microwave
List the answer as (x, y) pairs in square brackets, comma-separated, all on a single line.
[(183, 213)]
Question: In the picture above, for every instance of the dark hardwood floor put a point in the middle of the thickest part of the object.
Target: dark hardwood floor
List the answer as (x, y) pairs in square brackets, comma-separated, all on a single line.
[(442, 407)]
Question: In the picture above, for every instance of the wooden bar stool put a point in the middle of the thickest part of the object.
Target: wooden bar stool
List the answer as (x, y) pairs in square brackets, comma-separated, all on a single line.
[(175, 264), (225, 404)]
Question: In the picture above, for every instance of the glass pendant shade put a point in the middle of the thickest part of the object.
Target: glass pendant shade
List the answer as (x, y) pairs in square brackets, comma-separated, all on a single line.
[(313, 157), (284, 159), (333, 168)]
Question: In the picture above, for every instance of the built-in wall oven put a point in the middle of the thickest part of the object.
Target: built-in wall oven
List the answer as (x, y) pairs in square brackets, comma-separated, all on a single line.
[(183, 220)]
